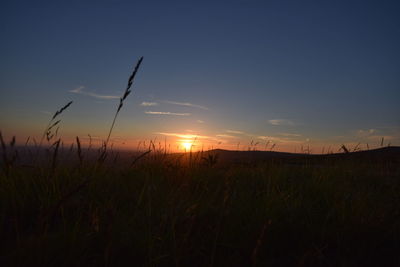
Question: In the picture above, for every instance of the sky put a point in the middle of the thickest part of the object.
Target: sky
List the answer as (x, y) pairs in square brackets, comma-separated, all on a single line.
[(268, 75)]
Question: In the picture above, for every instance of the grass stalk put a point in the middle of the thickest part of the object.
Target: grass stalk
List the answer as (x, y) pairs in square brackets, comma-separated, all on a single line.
[(50, 125), (121, 100)]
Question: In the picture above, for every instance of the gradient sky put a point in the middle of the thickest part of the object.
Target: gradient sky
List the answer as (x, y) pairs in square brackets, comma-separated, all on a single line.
[(297, 73)]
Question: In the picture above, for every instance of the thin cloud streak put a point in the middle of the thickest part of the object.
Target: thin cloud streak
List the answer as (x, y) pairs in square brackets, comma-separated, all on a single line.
[(290, 134), (279, 140), (149, 104), (366, 133), (167, 113), (234, 132), (79, 90), (192, 137), (375, 135), (281, 122), (185, 136), (187, 104), (225, 136)]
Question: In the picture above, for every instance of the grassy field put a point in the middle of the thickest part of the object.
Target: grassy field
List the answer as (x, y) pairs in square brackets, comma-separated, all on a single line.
[(65, 208), (83, 207)]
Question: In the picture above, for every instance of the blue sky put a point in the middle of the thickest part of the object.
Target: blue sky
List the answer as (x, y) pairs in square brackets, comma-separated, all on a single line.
[(297, 73)]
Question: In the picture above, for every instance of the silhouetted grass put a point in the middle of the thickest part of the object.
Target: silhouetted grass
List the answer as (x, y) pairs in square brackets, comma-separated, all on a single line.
[(122, 99), (48, 132), (182, 210)]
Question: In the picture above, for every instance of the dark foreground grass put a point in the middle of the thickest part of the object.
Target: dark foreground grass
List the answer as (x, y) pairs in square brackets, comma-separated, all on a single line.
[(179, 212)]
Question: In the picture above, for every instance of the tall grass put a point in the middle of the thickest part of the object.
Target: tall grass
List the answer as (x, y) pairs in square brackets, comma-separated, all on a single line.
[(182, 210), (48, 132), (122, 99)]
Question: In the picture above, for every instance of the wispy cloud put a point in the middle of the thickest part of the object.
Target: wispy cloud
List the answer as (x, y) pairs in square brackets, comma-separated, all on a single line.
[(375, 135), (290, 134), (200, 121), (234, 132), (264, 137), (79, 90), (225, 136), (281, 122), (366, 133), (187, 104), (149, 104), (184, 136), (167, 113), (191, 136), (279, 139)]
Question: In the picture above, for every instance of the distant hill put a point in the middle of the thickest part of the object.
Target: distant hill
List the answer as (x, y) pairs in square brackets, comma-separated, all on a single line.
[(384, 153), (221, 156)]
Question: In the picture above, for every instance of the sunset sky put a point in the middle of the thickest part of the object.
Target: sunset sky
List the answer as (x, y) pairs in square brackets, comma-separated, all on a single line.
[(223, 73)]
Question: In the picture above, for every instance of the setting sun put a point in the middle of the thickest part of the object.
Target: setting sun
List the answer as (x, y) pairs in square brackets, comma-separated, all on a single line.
[(187, 145)]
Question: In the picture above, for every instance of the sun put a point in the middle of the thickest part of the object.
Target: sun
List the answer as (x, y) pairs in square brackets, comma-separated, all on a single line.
[(187, 146)]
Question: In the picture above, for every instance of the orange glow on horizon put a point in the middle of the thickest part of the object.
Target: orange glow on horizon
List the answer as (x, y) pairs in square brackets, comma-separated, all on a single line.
[(187, 146), (182, 141)]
